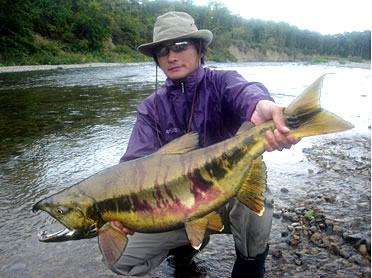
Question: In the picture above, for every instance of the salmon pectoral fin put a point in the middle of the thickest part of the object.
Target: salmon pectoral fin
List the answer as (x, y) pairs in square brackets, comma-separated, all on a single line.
[(112, 242), (253, 185), (196, 229)]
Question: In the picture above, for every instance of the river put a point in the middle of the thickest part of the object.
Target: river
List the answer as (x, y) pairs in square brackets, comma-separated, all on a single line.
[(58, 127)]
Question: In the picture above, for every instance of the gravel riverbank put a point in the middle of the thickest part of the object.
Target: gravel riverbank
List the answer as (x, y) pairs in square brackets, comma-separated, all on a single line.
[(365, 65), (56, 67)]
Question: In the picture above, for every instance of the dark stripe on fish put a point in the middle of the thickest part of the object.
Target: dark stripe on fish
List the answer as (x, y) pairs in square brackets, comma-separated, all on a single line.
[(294, 121), (216, 169), (122, 203), (237, 155)]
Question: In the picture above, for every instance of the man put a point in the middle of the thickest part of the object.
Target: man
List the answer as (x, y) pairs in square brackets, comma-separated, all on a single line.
[(214, 104)]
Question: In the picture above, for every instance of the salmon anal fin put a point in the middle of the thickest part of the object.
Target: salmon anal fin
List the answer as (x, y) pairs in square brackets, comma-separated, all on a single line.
[(112, 242), (195, 231), (214, 222), (254, 184)]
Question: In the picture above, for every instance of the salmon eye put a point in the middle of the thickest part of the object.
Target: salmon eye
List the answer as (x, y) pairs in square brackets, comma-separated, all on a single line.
[(61, 210)]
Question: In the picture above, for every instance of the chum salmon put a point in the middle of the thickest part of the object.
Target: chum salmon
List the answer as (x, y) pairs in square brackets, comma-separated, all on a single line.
[(180, 185)]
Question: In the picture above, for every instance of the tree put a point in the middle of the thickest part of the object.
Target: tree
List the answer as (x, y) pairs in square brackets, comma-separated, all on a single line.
[(91, 27), (16, 28)]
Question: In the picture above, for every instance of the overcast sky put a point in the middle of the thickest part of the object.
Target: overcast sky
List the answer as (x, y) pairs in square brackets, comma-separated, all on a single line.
[(323, 16)]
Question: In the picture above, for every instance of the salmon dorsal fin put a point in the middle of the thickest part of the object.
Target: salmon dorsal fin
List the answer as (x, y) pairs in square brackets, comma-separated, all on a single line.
[(244, 127), (183, 144), (112, 242), (195, 229), (253, 185)]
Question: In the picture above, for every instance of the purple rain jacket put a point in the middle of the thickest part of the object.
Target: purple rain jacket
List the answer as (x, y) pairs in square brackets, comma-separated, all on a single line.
[(224, 100)]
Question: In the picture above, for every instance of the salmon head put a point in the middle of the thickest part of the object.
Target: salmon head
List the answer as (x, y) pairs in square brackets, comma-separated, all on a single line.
[(74, 210)]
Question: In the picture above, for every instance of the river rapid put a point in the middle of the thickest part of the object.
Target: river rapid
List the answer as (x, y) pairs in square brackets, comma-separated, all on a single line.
[(62, 125)]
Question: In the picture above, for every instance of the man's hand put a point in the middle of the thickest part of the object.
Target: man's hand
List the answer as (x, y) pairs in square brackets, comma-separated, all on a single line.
[(120, 226), (267, 110)]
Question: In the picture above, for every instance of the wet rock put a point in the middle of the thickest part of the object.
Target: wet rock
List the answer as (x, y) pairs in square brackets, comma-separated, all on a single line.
[(284, 190), (300, 210), (277, 214), (366, 272), (351, 238), (345, 254), (291, 216), (322, 226), (277, 254), (359, 259), (333, 248), (363, 250), (293, 242), (284, 234), (330, 199), (337, 230), (316, 238)]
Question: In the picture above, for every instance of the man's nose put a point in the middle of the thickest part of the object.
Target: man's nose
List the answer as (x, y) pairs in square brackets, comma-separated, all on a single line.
[(172, 55)]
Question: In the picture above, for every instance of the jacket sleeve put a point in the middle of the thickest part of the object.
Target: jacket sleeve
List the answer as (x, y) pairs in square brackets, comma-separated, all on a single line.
[(240, 97), (143, 140)]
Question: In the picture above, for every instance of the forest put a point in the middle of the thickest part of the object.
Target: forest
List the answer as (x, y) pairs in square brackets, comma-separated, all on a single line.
[(79, 31)]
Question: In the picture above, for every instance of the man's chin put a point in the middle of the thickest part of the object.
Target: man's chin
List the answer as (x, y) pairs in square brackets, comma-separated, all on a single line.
[(177, 77)]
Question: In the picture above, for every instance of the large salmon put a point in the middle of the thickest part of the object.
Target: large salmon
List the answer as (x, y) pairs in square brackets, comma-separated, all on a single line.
[(180, 185)]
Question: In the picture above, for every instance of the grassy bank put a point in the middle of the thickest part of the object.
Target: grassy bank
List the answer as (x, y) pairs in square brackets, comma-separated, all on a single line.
[(63, 58)]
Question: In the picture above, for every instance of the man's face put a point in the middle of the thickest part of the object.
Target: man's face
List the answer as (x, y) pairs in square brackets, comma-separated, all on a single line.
[(178, 59)]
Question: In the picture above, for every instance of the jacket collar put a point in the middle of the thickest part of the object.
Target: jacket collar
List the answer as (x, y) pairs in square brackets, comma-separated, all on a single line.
[(189, 82)]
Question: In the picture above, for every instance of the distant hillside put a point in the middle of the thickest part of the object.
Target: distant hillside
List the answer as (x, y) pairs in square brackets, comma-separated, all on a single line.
[(77, 31)]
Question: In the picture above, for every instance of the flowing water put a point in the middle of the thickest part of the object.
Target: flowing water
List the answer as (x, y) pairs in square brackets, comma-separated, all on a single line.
[(58, 127)]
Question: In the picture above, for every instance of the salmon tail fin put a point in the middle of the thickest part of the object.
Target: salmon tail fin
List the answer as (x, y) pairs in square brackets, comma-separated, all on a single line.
[(112, 242), (254, 184), (195, 229), (305, 117)]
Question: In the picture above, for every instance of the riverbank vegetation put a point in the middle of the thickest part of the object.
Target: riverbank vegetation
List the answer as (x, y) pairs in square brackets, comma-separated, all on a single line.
[(81, 31)]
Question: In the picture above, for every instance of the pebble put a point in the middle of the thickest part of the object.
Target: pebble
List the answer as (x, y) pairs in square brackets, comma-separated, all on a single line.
[(277, 254), (363, 250), (284, 190), (337, 230), (294, 242), (285, 234), (334, 249)]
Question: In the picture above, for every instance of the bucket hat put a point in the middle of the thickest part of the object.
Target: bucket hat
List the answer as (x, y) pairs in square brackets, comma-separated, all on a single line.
[(174, 26)]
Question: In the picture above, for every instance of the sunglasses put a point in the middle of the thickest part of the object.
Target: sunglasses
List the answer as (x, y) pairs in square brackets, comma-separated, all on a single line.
[(176, 47)]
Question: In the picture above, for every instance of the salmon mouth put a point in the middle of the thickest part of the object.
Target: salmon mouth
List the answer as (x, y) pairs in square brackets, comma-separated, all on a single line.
[(67, 234), (55, 237)]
